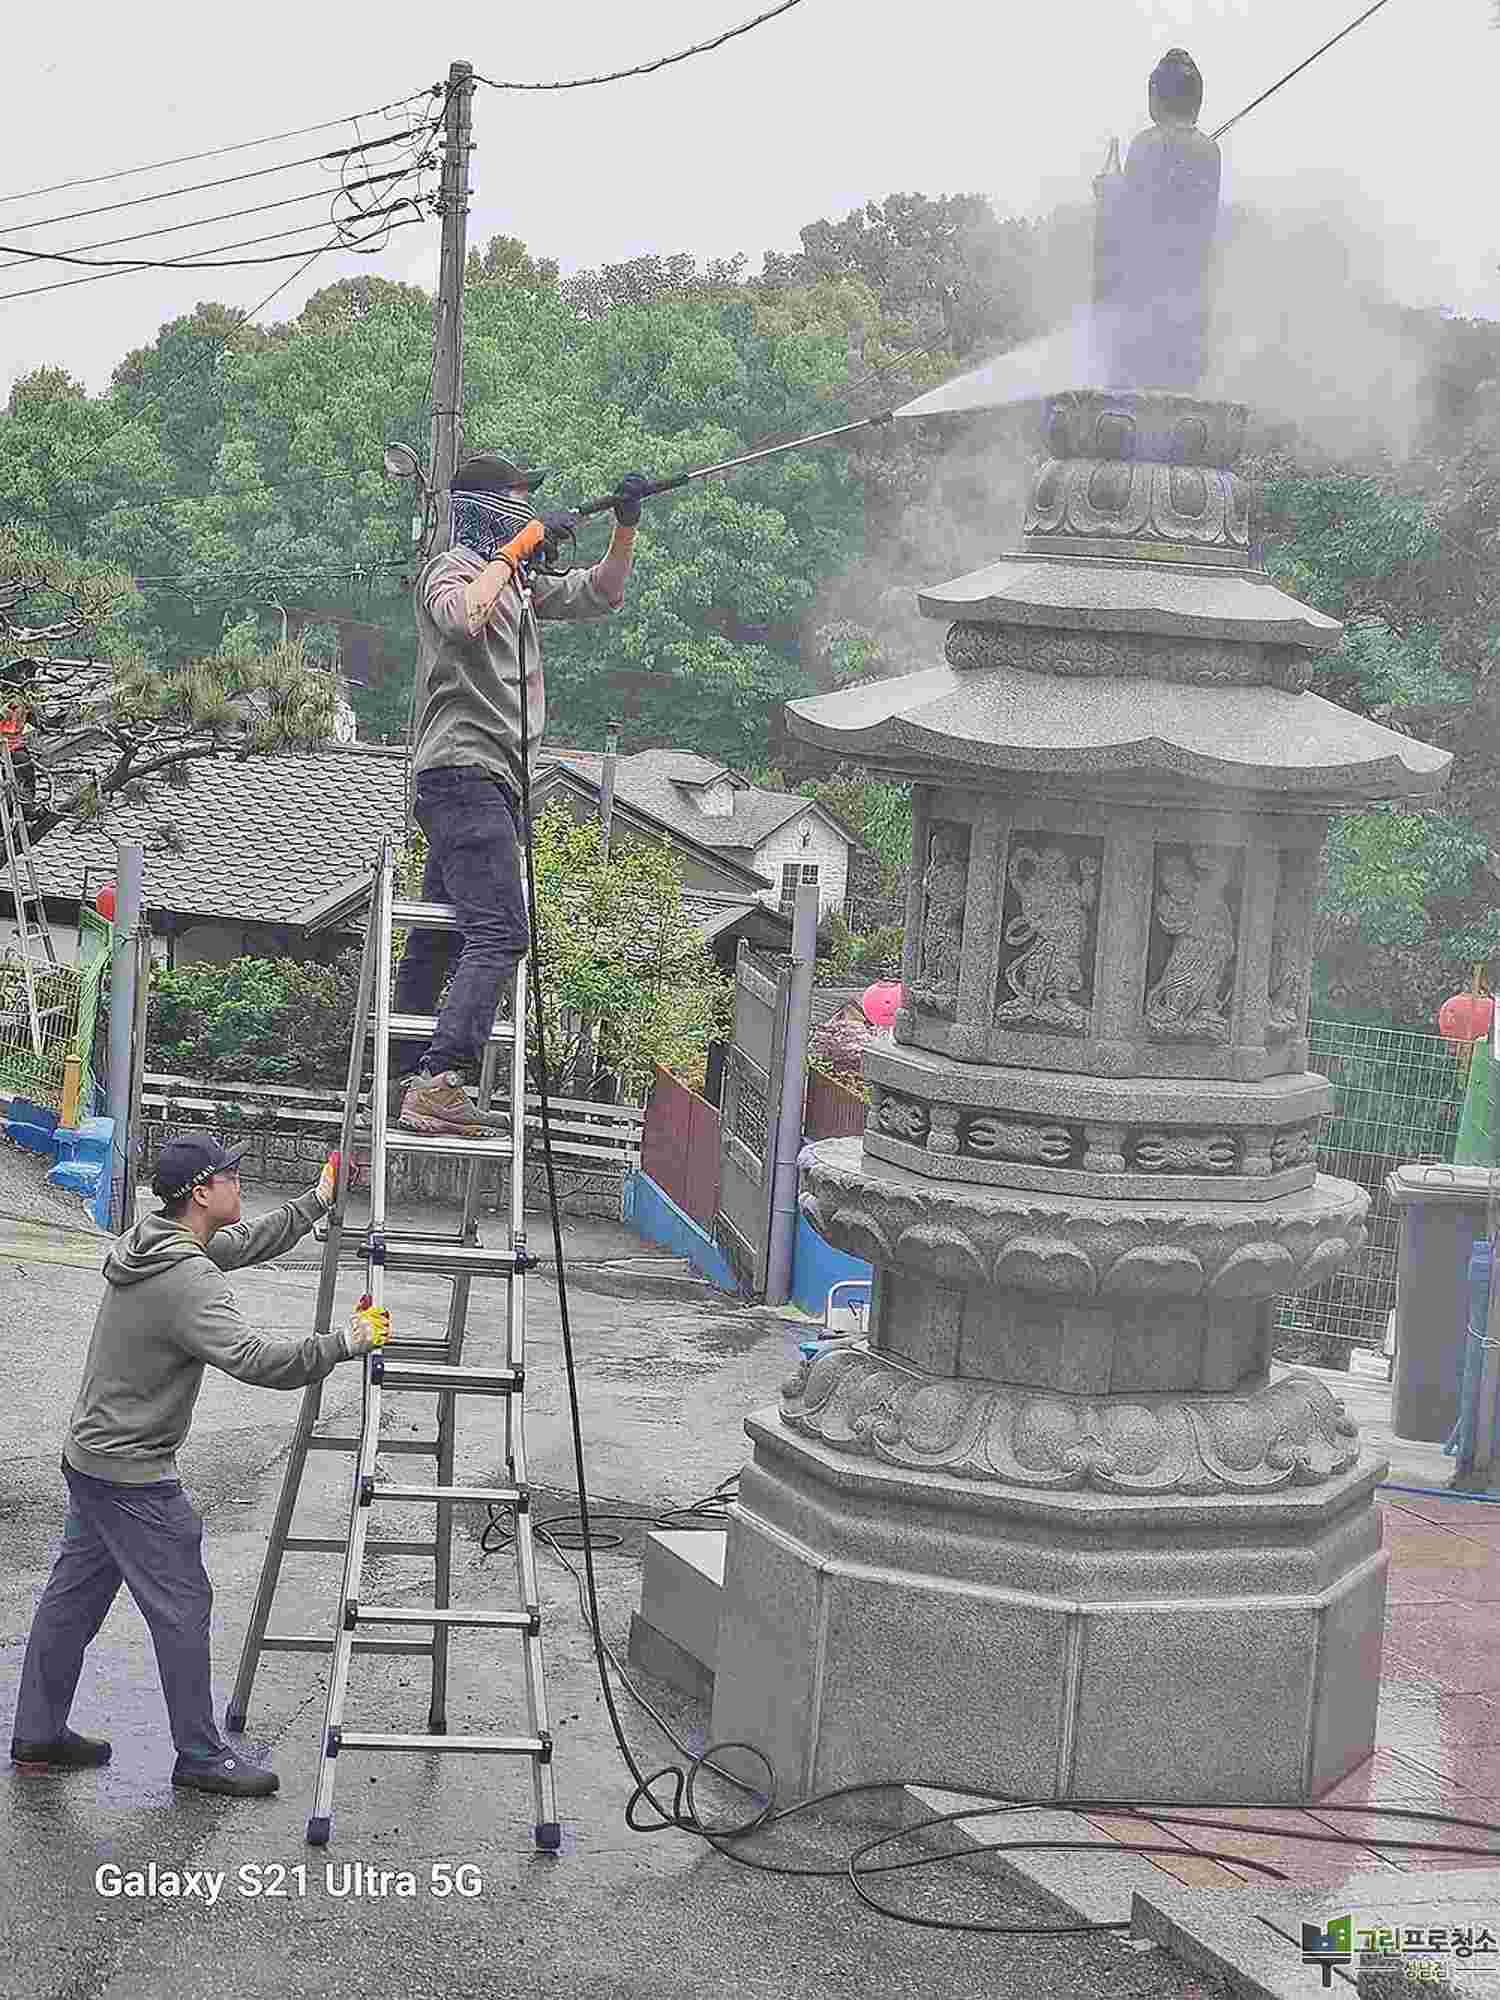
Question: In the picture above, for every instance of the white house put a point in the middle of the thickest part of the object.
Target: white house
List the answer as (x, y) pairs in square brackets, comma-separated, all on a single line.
[(781, 837)]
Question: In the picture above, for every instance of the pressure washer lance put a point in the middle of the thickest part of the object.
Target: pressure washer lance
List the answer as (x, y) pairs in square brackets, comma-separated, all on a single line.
[(658, 486)]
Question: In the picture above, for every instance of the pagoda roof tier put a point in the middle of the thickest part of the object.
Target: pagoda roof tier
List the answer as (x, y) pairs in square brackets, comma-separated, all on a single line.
[(1001, 719), (1172, 599)]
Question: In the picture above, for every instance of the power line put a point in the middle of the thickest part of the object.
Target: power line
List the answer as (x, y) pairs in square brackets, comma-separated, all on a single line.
[(205, 221), (123, 268), (229, 180), (645, 69), (1307, 63), (218, 152)]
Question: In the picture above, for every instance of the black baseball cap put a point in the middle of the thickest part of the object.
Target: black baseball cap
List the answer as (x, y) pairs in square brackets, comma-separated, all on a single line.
[(183, 1164), (492, 472)]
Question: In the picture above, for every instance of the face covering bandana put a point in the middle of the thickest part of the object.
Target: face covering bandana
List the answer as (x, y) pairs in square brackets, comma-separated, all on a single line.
[(484, 522)]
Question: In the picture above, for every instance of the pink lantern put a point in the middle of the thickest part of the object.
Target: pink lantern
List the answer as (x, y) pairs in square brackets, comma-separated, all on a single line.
[(881, 1003), (1465, 1017)]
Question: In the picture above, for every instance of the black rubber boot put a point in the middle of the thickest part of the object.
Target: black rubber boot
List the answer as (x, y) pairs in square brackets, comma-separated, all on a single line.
[(229, 1776), (69, 1752)]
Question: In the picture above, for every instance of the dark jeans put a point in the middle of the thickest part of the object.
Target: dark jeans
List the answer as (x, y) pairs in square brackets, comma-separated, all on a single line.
[(151, 1539), (473, 862)]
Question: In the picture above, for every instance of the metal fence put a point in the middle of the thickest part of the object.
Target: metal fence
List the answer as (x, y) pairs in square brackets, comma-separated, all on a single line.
[(287, 1132), (1397, 1098), (680, 1148), (833, 1110), (67, 998)]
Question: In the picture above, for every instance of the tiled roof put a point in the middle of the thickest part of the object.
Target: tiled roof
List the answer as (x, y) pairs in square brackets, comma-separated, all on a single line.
[(656, 782), (260, 840), (713, 914)]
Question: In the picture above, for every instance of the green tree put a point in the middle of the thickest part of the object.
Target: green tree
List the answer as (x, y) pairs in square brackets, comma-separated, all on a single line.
[(619, 950), (104, 724)]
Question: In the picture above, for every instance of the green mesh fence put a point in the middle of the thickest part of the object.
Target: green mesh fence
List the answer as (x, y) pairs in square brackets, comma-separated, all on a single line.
[(1398, 1096), (94, 942), (67, 998)]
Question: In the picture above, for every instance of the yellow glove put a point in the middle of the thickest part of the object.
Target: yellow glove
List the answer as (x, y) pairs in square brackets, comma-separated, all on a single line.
[(369, 1327), (328, 1179)]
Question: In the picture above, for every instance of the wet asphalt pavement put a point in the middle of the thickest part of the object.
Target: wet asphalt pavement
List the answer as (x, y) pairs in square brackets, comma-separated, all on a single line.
[(617, 1916)]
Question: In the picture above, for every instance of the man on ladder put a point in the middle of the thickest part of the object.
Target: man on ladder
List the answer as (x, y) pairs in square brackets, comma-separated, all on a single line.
[(466, 761)]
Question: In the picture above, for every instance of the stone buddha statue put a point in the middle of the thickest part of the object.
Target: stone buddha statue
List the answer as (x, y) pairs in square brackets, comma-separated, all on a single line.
[(1153, 242)]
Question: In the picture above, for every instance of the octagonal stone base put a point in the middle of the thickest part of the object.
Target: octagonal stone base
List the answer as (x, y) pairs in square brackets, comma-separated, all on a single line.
[(880, 1622)]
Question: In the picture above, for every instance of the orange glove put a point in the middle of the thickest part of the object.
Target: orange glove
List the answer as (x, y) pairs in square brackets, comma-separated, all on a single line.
[(369, 1327), (328, 1179), (519, 547)]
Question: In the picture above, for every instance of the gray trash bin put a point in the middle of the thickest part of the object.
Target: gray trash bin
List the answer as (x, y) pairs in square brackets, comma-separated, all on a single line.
[(1443, 1214)]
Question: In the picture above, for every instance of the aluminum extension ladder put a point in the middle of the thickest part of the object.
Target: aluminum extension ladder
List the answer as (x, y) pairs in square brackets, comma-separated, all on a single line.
[(33, 933), (426, 1366)]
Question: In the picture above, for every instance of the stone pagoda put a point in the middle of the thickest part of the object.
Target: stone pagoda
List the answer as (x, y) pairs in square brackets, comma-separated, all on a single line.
[(1056, 1527)]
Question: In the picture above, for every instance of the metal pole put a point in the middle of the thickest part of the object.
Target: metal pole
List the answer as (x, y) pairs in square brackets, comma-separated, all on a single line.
[(142, 1002), (130, 890), (793, 1088), (607, 786), (448, 324), (1481, 1472)]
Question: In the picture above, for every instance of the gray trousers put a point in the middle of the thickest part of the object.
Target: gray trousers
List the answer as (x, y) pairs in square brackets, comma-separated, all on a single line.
[(151, 1539)]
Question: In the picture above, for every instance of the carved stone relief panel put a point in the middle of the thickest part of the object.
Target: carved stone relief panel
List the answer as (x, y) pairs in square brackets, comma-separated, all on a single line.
[(945, 881), (981, 1135), (1291, 941), (1049, 933), (1042, 649), (1194, 941), (1179, 1152)]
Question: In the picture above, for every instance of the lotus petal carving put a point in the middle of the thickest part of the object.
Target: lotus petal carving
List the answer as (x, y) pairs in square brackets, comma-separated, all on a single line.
[(1293, 1432)]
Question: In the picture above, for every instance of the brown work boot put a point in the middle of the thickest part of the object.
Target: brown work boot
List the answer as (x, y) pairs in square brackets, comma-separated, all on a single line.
[(438, 1105)]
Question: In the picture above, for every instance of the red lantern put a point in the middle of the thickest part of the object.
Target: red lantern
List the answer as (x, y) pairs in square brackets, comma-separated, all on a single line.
[(881, 1002), (104, 902), (1465, 1018)]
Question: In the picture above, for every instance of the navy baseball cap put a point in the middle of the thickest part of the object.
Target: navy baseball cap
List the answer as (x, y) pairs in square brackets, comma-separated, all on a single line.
[(183, 1164)]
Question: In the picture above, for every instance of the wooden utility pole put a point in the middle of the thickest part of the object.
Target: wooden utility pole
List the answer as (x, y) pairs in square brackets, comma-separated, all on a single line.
[(448, 322)]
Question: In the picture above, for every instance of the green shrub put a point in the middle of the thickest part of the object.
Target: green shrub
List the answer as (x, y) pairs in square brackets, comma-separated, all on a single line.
[(255, 1020)]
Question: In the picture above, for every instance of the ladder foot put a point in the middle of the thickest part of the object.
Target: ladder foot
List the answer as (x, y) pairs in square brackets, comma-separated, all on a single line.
[(318, 1829), (437, 1722), (234, 1721), (549, 1836)]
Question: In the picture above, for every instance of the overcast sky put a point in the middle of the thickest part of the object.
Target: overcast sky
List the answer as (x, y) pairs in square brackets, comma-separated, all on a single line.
[(837, 102)]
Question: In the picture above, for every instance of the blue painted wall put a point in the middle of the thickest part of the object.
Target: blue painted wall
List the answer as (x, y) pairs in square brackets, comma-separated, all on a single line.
[(82, 1152), (816, 1266), (654, 1216)]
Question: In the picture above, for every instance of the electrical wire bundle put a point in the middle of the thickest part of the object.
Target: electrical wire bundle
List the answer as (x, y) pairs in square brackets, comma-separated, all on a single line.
[(364, 208)]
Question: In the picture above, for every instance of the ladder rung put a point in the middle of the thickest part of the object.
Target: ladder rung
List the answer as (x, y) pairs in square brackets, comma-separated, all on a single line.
[(415, 1447), (500, 1496), (495, 1746), (395, 1614), (325, 1545), (454, 1260), (322, 1642), (424, 916), (410, 1026), (431, 1375), (500, 1147)]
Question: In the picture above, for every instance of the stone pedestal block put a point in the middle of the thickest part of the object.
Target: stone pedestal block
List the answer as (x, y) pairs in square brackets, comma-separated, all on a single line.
[(893, 1623)]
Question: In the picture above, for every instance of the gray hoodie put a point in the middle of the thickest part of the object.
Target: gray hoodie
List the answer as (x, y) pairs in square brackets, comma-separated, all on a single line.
[(166, 1314)]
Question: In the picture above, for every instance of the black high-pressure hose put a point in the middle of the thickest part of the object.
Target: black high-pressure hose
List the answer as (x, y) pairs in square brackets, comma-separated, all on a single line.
[(681, 1811)]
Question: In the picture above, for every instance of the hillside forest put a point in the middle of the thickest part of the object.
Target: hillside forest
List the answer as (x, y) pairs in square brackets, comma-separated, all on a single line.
[(225, 496)]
